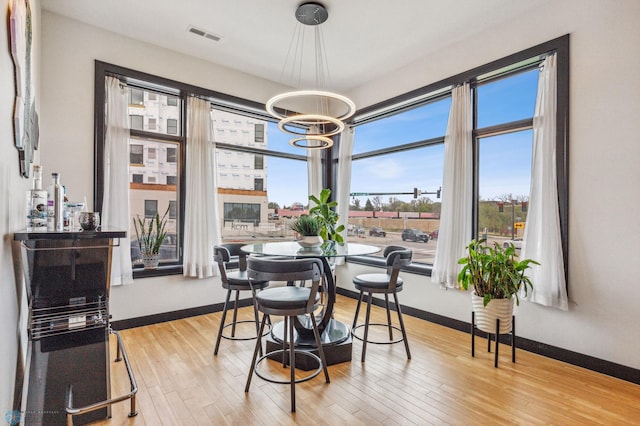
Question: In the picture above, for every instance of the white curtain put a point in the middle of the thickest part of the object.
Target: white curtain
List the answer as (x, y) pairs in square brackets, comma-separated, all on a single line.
[(455, 216), (542, 238), (201, 205), (314, 171), (344, 176), (115, 201)]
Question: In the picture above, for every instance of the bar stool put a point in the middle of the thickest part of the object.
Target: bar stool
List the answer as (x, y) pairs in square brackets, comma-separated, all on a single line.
[(289, 301), (388, 283), (229, 256)]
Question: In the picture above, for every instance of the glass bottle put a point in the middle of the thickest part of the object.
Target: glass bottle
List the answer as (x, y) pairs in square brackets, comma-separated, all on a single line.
[(37, 204), (55, 204)]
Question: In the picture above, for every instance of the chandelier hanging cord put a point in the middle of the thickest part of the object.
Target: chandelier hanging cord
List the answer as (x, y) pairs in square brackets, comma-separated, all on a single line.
[(310, 109)]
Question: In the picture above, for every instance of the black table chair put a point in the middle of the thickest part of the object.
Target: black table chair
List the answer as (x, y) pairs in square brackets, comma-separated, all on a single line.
[(289, 301), (387, 283), (228, 257)]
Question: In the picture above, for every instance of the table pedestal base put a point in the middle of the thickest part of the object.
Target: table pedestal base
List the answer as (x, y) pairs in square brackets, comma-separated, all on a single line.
[(336, 343)]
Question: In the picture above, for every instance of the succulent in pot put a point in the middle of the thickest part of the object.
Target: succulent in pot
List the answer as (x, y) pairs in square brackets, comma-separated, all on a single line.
[(307, 229), (150, 234)]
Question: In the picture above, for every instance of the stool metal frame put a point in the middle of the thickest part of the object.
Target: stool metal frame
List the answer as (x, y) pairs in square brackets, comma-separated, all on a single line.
[(230, 256), (289, 302), (396, 258)]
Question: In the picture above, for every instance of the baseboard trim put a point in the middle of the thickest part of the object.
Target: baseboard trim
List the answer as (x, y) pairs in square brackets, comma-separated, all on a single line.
[(598, 365), (612, 369)]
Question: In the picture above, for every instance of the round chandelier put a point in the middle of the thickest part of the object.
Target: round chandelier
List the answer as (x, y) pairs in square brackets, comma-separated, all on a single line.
[(312, 116)]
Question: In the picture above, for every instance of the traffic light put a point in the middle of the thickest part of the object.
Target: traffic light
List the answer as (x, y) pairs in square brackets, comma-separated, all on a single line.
[(500, 207), (438, 192), (524, 206), (416, 192)]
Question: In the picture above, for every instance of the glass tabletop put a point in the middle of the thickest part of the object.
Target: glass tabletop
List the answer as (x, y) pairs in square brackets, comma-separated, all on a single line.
[(293, 249)]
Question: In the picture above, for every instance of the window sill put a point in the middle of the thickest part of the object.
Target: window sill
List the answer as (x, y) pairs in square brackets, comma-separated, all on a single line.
[(379, 262), (158, 272)]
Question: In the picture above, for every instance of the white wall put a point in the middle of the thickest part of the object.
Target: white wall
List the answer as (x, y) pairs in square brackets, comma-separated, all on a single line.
[(603, 153), (12, 214), (604, 199)]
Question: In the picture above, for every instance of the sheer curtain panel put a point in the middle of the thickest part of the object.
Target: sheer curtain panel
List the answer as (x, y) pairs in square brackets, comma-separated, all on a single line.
[(542, 237), (201, 206), (343, 184), (115, 201), (455, 216)]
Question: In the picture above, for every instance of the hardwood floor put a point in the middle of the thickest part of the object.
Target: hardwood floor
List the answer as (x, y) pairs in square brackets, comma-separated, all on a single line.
[(181, 382)]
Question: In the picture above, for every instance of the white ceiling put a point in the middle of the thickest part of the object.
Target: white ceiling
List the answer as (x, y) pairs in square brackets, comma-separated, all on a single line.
[(364, 39)]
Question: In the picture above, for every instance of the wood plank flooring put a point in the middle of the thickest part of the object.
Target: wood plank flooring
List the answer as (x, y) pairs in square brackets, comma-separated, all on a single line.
[(182, 383)]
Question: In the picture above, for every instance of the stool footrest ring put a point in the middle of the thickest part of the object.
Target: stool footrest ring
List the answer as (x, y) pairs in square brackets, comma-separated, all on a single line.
[(286, 352), (378, 324), (243, 338)]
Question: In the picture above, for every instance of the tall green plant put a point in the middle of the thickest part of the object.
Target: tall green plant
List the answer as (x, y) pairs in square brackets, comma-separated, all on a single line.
[(494, 272), (324, 210), (150, 233)]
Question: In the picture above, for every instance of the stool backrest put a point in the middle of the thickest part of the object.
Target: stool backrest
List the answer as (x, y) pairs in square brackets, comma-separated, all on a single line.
[(226, 254), (396, 257), (260, 269)]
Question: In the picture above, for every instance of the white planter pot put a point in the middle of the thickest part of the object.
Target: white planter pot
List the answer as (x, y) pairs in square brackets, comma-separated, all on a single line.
[(311, 241), (150, 261), (486, 316)]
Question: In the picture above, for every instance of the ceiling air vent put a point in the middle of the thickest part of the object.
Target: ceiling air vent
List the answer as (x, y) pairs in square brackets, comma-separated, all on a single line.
[(203, 33)]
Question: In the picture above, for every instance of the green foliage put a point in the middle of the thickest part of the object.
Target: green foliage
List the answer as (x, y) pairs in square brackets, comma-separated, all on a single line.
[(324, 211), (306, 225), (494, 272), (150, 233)]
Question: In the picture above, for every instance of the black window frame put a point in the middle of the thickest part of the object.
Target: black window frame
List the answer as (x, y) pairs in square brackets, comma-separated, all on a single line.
[(181, 91), (479, 75)]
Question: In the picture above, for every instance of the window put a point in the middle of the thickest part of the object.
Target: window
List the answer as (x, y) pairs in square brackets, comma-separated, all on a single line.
[(258, 184), (136, 154), (258, 162), (247, 211), (150, 208), (137, 122), (396, 186), (172, 155), (259, 132), (152, 124), (172, 126), (391, 138), (136, 97)]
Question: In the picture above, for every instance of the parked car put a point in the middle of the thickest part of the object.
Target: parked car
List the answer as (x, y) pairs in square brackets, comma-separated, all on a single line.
[(414, 235), (433, 235), (376, 231), (517, 243)]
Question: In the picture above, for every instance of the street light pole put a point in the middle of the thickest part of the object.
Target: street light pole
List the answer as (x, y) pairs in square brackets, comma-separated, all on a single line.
[(513, 219)]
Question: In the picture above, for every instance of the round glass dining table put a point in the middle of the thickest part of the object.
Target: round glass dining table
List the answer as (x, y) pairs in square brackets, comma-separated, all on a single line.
[(332, 331)]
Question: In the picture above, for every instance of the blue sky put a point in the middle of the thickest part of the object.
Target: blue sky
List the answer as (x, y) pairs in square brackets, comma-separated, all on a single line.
[(505, 160)]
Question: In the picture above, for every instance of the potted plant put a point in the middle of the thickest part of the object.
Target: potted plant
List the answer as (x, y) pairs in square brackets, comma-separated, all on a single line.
[(324, 211), (150, 234), (497, 276), (307, 229)]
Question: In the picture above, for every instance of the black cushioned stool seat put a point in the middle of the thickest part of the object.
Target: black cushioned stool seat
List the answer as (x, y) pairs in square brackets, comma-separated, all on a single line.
[(388, 283), (289, 301)]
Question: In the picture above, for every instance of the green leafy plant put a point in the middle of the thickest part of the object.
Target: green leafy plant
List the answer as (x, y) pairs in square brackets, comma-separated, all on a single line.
[(494, 272), (150, 232), (306, 225), (324, 210)]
